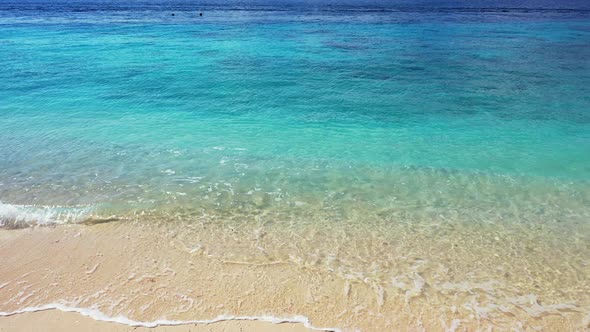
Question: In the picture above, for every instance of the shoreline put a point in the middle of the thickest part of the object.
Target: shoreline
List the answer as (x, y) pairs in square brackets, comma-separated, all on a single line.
[(73, 320), (145, 275)]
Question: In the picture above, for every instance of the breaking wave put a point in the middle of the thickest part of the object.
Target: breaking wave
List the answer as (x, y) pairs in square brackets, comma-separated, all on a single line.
[(19, 216)]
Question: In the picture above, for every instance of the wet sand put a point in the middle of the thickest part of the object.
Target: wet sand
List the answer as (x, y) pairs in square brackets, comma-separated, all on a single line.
[(55, 320), (146, 274)]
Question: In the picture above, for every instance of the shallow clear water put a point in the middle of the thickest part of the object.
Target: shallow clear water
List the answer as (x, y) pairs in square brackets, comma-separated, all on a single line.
[(384, 121), (133, 105)]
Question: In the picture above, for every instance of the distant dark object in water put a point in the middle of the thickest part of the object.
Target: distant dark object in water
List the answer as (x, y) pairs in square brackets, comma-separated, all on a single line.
[(200, 14), (172, 14)]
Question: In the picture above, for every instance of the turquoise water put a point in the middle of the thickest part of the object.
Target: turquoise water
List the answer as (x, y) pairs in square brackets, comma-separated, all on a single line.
[(149, 109)]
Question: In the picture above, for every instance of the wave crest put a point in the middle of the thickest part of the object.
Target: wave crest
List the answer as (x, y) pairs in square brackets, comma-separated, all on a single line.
[(20, 216)]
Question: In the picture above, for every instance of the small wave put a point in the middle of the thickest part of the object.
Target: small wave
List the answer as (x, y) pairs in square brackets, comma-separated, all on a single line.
[(100, 316), (19, 216)]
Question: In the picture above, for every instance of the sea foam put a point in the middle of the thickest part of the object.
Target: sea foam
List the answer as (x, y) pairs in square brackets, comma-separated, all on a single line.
[(17, 216), (120, 319)]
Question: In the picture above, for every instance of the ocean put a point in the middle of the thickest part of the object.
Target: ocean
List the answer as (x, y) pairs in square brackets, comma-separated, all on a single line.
[(377, 141)]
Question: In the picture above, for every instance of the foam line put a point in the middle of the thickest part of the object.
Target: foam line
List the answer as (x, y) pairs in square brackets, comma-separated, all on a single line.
[(23, 215), (100, 316)]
